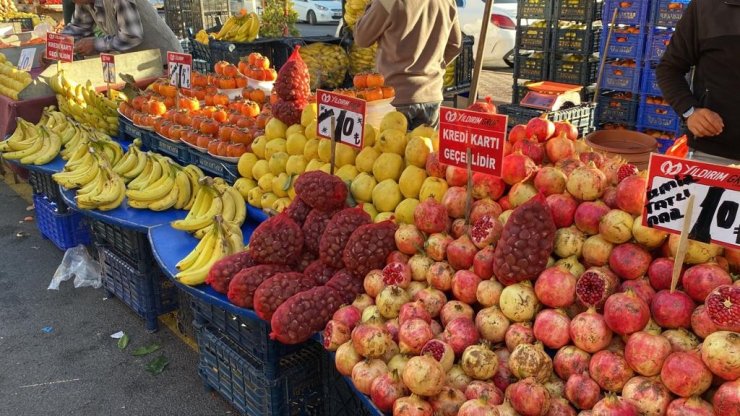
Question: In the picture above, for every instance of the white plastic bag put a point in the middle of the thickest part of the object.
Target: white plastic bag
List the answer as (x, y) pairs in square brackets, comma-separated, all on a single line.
[(78, 263)]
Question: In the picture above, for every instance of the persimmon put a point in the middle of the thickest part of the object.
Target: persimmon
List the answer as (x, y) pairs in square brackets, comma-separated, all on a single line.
[(225, 132), (156, 108), (213, 147), (222, 148), (360, 80), (227, 83), (168, 91), (139, 102), (245, 122), (375, 80), (219, 67), (252, 58), (235, 149), (257, 96), (209, 127), (191, 104), (388, 91), (202, 140), (234, 118), (220, 115), (230, 70), (262, 62), (261, 121), (242, 135), (200, 94), (220, 99), (176, 132), (274, 98), (247, 92), (271, 75), (241, 81), (250, 109), (243, 66)]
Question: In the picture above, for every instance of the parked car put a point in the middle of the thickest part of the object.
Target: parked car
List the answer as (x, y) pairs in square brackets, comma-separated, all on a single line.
[(318, 11), (501, 35)]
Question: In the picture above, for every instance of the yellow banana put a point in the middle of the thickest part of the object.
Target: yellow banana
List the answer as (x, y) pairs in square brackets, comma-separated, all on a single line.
[(205, 245), (182, 182)]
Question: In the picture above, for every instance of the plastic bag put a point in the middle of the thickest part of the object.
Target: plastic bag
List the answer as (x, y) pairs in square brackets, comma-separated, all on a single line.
[(78, 263), (680, 148)]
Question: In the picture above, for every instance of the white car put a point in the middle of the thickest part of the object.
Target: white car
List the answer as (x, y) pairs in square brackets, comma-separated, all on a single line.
[(501, 35), (318, 11)]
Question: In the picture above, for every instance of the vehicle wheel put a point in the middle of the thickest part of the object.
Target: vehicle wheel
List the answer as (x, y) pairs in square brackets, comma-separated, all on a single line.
[(311, 18)]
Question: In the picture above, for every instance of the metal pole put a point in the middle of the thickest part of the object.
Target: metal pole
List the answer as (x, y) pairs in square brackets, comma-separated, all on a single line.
[(479, 53)]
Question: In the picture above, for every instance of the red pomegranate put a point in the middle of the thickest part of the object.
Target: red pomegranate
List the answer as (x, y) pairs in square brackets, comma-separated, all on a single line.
[(412, 406), (685, 374), (631, 194), (646, 352), (528, 397), (484, 207), (550, 180), (555, 287), (465, 286), (625, 313), (517, 133), (486, 231), (727, 399), (487, 186), (565, 127), (540, 128), (721, 353), (434, 167), (701, 324), (610, 370), (447, 402), (517, 167), (440, 351), (582, 391), (478, 389), (483, 263), (551, 327), (588, 215), (614, 406), (431, 217), (693, 406), (650, 396), (559, 147), (485, 106), (723, 307), (563, 208), (455, 309), (660, 273), (672, 309), (386, 389), (629, 261), (460, 333), (590, 332), (519, 333), (570, 360), (699, 280), (641, 287), (432, 299)]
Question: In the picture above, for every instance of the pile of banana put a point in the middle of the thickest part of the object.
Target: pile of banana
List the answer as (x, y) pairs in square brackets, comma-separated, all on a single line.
[(214, 198), (449, 77), (12, 79), (353, 10), (327, 64), (156, 182), (242, 28), (31, 145), (202, 37), (362, 59), (89, 171), (8, 10), (224, 238), (84, 104)]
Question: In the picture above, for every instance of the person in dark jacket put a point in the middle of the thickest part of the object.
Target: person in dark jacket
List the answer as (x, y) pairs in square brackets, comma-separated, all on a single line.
[(707, 38)]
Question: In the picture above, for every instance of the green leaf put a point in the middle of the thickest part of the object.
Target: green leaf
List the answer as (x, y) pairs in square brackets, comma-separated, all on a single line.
[(123, 342), (157, 365), (146, 350)]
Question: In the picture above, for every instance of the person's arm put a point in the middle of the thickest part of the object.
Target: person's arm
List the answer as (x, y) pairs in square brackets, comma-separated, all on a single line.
[(81, 25), (454, 42), (130, 30), (373, 23)]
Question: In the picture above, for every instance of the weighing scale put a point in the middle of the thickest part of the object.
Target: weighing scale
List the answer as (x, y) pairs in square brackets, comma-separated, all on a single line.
[(551, 96)]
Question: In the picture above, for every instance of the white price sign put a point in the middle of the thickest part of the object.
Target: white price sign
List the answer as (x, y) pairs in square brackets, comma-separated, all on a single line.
[(179, 68), (109, 68), (25, 63), (348, 114)]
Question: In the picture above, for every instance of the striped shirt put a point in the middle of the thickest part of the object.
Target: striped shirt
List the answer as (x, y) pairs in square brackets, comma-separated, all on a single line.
[(128, 35)]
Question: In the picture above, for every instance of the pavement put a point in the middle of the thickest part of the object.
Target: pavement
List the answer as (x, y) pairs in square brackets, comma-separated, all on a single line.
[(57, 354)]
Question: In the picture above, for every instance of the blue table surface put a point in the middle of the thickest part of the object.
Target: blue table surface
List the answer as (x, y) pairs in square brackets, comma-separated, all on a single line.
[(170, 246), (58, 163), (256, 214)]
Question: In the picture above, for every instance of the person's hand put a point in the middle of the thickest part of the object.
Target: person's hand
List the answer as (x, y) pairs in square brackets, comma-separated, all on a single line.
[(85, 46), (705, 123)]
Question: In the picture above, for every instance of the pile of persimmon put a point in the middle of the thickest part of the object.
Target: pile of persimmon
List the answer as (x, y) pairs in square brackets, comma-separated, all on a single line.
[(368, 87), (257, 67), (147, 108)]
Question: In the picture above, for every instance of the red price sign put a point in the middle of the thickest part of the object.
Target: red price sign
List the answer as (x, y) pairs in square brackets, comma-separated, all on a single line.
[(716, 190), (348, 114), (59, 47), (484, 134), (179, 68), (109, 67)]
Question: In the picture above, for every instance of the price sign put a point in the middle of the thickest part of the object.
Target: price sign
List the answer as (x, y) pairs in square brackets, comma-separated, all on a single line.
[(25, 62), (109, 68), (179, 68), (348, 114), (484, 134), (59, 47), (716, 189)]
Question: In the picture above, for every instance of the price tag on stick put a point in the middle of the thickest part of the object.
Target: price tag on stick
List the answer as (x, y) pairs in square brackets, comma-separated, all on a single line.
[(108, 62), (482, 134), (348, 114), (59, 48), (716, 215), (179, 68), (25, 62)]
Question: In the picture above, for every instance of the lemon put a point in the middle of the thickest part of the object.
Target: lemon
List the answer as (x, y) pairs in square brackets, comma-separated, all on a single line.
[(244, 185), (384, 216), (246, 163), (275, 129), (347, 172), (370, 209), (362, 187), (274, 146), (386, 195), (311, 149), (280, 204), (295, 144), (308, 115), (388, 166), (391, 141), (254, 197), (325, 150), (265, 182), (365, 159), (296, 165), (310, 131), (433, 188), (411, 180), (369, 135), (405, 211), (345, 155), (281, 184), (314, 164), (267, 200), (424, 131), (260, 169), (417, 151), (258, 146), (293, 129), (394, 120), (277, 162)]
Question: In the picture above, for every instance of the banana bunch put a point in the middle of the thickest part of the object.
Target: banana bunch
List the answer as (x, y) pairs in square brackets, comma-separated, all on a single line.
[(362, 59), (84, 104), (161, 183), (213, 198), (60, 124), (327, 64), (224, 238), (353, 10), (105, 192), (30, 144), (12, 79), (242, 28), (449, 76), (202, 37)]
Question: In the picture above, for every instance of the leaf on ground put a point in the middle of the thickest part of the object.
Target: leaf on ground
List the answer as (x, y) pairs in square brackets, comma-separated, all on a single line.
[(157, 365), (123, 342), (146, 350)]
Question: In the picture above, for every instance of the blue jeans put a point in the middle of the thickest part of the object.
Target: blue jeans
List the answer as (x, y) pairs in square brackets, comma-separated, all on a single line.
[(422, 113)]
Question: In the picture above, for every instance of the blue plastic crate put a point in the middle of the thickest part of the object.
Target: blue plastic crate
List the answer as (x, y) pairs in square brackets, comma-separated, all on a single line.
[(624, 44), (649, 82), (131, 245), (179, 151), (617, 107), (149, 294), (272, 358), (214, 166), (657, 116), (578, 10), (636, 13), (127, 130), (64, 229), (657, 42), (666, 13), (224, 366), (44, 185), (340, 398), (664, 145), (619, 77)]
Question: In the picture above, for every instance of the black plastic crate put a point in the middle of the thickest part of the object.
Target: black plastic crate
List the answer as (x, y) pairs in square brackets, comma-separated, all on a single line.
[(464, 64), (214, 166), (224, 366), (581, 116), (277, 50), (534, 38), (535, 9), (533, 67), (25, 23), (184, 316), (582, 72), (584, 39), (42, 184), (339, 398), (149, 294), (617, 107), (579, 10), (132, 245), (182, 15), (127, 130), (65, 230), (252, 335)]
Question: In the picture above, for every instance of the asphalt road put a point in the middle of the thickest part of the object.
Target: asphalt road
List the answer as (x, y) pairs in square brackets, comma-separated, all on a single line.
[(76, 368), (317, 30)]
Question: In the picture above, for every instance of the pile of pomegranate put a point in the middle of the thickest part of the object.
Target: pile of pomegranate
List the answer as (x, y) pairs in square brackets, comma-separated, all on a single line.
[(553, 299)]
